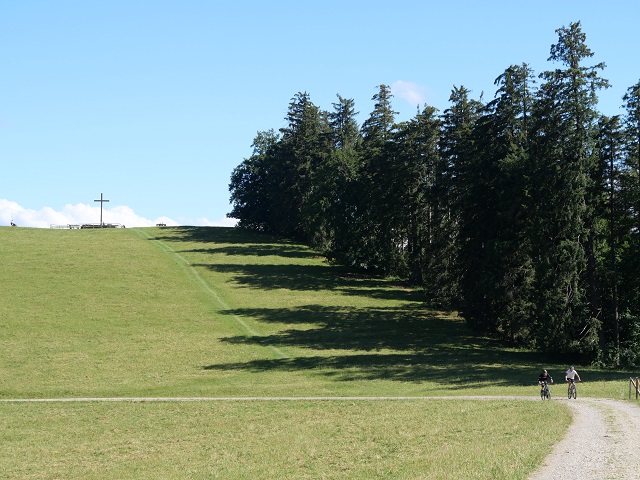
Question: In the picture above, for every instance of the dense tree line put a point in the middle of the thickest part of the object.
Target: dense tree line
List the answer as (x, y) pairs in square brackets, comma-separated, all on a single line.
[(523, 212)]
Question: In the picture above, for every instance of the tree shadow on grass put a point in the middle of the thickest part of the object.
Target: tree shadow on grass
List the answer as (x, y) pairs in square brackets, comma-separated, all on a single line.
[(460, 374), (314, 277), (243, 243), (409, 343), (227, 235), (260, 250), (416, 368)]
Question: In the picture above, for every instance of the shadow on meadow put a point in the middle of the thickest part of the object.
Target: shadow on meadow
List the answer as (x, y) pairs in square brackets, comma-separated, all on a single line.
[(244, 243), (260, 250), (236, 241), (227, 235), (406, 343), (313, 277)]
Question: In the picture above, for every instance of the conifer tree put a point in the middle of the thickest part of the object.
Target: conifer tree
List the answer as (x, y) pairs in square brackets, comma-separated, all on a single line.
[(414, 170), (610, 151), (632, 132), (496, 287), (340, 183), (455, 195), (253, 185), (304, 146), (629, 252), (564, 155), (377, 230)]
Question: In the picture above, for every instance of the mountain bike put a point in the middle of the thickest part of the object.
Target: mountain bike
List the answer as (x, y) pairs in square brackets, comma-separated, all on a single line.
[(544, 391), (572, 391)]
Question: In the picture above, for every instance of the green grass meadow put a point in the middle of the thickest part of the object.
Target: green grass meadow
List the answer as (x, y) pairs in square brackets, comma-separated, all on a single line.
[(197, 312)]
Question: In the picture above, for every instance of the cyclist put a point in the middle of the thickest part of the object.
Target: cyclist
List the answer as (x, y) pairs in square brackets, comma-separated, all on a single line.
[(544, 377), (571, 375)]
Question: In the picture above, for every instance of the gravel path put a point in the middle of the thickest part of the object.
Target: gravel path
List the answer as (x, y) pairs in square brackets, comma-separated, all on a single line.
[(603, 442)]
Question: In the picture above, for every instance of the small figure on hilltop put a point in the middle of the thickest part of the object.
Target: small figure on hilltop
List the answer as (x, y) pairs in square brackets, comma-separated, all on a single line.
[(13, 224), (545, 377)]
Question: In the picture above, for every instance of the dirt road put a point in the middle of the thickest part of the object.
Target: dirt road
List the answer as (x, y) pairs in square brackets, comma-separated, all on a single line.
[(603, 442)]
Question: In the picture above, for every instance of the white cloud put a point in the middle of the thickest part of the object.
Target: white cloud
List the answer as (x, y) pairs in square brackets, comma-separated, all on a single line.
[(412, 92), (82, 213), (205, 222)]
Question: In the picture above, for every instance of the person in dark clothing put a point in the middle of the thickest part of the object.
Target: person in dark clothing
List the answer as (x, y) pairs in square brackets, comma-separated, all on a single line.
[(545, 377)]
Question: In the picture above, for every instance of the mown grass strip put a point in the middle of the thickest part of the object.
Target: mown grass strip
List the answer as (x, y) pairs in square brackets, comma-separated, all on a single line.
[(167, 249)]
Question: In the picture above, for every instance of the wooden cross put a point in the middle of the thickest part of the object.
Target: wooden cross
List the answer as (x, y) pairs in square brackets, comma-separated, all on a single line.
[(101, 202)]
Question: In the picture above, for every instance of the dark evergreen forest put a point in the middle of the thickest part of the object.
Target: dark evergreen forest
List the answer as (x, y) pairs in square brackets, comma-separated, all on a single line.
[(522, 213)]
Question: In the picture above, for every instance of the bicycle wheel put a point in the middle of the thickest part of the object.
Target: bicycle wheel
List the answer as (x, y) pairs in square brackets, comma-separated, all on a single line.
[(548, 394), (569, 392), (575, 392)]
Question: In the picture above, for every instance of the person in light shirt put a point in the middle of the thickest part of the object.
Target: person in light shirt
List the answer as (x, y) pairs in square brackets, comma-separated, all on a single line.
[(571, 375)]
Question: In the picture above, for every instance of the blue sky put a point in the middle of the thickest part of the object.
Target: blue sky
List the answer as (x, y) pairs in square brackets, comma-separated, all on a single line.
[(154, 103)]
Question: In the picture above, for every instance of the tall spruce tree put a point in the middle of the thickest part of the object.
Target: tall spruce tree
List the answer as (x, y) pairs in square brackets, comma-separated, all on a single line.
[(339, 183), (377, 229), (304, 146), (345, 128), (632, 132), (498, 273), (454, 198), (253, 185), (566, 314), (629, 287), (416, 158), (610, 150)]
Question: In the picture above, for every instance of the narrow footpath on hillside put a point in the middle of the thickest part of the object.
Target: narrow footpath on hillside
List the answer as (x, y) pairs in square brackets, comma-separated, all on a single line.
[(603, 442)]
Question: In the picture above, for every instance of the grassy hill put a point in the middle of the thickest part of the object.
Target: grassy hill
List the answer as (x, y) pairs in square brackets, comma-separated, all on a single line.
[(218, 312)]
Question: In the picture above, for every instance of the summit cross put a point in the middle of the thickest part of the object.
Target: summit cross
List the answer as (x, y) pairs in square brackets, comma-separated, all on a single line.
[(101, 202)]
